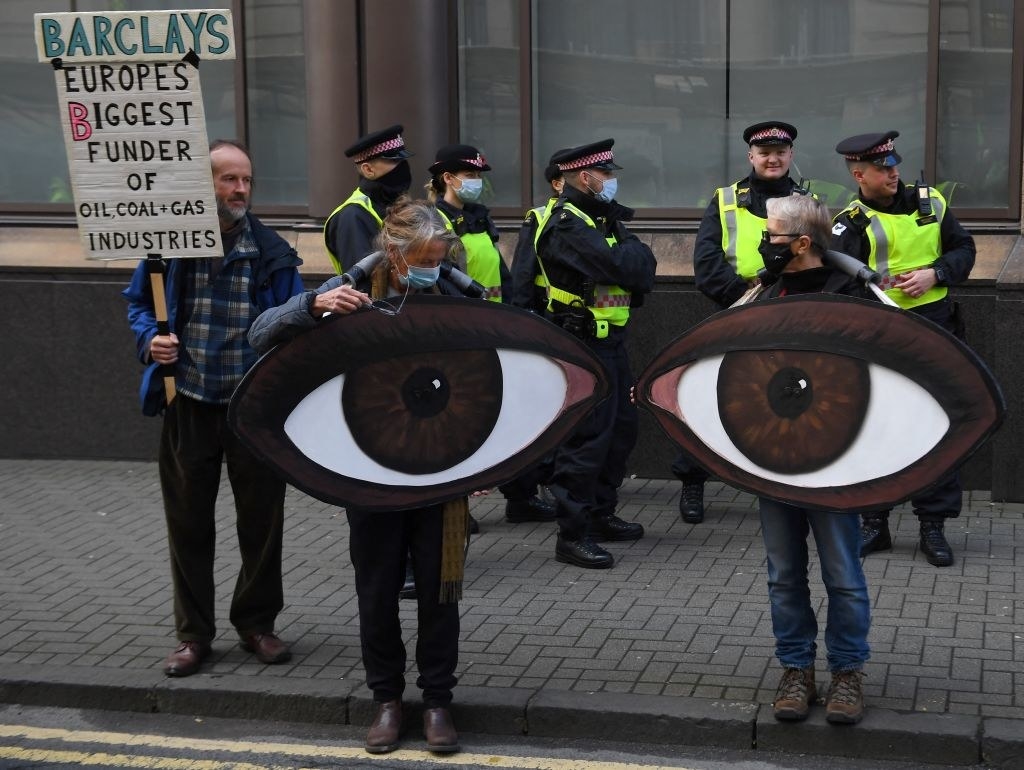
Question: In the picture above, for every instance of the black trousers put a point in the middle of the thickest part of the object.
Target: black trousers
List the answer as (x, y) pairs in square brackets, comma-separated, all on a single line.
[(688, 470), (589, 467), (194, 443), (379, 543)]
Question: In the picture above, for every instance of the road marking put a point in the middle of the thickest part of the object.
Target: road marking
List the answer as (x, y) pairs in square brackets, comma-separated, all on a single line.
[(255, 750)]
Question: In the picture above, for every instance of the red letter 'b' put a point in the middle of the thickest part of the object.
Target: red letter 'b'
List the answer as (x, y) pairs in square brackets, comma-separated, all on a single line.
[(80, 127)]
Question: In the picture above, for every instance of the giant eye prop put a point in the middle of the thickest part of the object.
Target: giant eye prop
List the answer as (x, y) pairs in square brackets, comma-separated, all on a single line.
[(823, 401), (394, 412)]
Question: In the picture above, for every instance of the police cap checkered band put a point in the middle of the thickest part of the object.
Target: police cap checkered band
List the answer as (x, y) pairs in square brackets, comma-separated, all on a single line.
[(587, 160), (770, 132), (383, 148), (879, 149), (458, 157)]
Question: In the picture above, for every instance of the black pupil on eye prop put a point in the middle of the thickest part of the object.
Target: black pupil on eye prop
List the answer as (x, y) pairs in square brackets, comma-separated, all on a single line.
[(792, 411), (425, 392), (423, 412), (789, 392)]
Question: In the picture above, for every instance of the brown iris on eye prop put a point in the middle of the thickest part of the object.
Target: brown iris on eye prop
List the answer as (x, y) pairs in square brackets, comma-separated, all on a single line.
[(424, 412), (792, 411)]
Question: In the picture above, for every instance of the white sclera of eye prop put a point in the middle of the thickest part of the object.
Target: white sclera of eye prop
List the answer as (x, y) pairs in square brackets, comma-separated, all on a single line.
[(533, 396), (902, 424)]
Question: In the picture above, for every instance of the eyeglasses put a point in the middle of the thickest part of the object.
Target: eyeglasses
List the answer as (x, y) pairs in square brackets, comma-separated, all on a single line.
[(767, 236)]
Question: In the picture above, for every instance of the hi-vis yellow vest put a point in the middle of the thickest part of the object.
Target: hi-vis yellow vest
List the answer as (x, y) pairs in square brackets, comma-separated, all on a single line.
[(611, 303), (741, 233), (483, 260), (359, 198), (904, 242), (541, 215)]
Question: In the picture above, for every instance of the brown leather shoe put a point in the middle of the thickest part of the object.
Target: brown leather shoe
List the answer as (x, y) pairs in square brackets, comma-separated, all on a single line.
[(267, 648), (383, 734), (185, 659), (440, 731)]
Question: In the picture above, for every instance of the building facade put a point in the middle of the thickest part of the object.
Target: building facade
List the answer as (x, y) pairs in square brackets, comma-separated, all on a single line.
[(674, 81)]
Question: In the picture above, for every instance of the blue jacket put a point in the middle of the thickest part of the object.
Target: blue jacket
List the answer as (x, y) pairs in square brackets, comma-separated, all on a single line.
[(275, 279)]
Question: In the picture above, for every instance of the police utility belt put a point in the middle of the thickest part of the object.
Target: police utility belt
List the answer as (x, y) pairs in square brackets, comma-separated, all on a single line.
[(576, 315)]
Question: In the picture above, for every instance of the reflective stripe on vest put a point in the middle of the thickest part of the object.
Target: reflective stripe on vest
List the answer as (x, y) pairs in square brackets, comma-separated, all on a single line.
[(741, 234), (359, 198), (899, 244), (483, 260), (541, 214), (615, 301)]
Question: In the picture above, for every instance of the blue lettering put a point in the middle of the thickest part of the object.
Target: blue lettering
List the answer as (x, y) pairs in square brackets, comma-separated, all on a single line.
[(218, 18), (174, 41), (52, 43), (118, 30), (78, 40), (101, 27), (147, 47), (195, 27)]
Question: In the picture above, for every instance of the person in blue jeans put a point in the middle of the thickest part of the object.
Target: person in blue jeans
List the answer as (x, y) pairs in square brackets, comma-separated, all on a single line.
[(797, 234)]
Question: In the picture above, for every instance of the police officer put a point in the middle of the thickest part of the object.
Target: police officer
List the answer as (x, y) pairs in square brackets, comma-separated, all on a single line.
[(725, 256), (455, 187), (529, 286), (384, 175), (906, 234), (597, 271)]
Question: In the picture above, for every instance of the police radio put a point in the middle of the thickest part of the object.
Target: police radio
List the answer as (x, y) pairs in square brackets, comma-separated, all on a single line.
[(924, 198)]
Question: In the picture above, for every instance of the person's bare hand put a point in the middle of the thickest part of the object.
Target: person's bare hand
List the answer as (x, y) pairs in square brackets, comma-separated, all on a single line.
[(916, 282), (341, 300), (163, 348)]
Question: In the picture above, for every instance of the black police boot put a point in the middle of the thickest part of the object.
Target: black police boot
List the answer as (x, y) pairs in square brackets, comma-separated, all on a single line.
[(934, 545), (874, 533), (531, 509), (691, 502), (611, 527), (408, 590), (583, 553)]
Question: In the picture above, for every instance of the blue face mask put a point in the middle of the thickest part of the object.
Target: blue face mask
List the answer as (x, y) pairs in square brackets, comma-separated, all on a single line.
[(470, 190), (608, 190), (420, 277)]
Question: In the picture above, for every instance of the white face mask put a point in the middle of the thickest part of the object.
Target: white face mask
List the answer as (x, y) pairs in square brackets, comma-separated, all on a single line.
[(470, 190)]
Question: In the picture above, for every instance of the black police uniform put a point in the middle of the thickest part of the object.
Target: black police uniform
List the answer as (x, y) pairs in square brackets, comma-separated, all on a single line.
[(475, 218), (719, 281), (350, 230), (590, 466), (957, 253)]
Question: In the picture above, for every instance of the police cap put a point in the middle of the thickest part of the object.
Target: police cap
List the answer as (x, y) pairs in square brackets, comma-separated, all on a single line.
[(876, 149), (387, 144), (770, 132), (552, 171), (458, 157), (593, 155)]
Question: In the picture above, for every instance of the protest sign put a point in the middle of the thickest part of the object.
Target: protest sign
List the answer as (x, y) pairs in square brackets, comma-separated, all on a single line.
[(134, 127)]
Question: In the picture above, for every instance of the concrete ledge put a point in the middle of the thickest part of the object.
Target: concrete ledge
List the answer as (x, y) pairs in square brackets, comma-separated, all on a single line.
[(247, 697), (947, 738), (75, 687), (641, 718), (1002, 744), (488, 711)]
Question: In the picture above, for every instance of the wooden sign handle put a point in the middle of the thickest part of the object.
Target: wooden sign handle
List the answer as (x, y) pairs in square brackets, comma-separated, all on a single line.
[(155, 268)]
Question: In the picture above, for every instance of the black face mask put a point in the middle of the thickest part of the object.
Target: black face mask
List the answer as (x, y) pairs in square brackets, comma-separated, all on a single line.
[(776, 256), (394, 183)]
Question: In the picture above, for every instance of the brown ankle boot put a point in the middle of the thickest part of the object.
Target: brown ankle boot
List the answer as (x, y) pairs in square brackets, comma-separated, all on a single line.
[(383, 734)]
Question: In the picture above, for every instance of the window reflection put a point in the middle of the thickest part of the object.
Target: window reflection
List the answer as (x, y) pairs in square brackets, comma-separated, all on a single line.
[(676, 81)]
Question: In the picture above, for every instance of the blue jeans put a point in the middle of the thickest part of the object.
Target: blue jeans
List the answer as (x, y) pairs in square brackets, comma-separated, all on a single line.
[(837, 537)]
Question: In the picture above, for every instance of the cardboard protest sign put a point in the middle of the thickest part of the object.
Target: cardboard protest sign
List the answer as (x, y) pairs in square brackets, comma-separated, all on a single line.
[(134, 127)]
